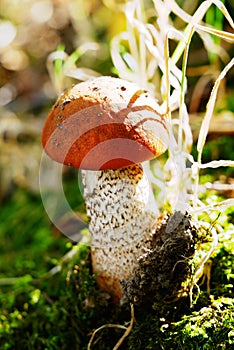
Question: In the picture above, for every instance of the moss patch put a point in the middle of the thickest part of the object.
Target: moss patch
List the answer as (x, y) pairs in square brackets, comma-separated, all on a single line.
[(43, 310)]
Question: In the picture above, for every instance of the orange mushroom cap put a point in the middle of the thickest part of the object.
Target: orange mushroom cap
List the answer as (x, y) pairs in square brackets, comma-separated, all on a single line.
[(104, 123)]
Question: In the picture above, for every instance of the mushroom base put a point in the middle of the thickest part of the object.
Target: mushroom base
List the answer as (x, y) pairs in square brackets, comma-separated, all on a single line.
[(123, 216), (113, 265)]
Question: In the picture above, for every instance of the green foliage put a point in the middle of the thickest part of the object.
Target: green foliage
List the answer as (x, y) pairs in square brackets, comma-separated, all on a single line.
[(219, 148), (215, 18)]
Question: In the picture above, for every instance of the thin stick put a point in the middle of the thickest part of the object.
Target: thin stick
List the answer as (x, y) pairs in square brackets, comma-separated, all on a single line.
[(126, 333), (128, 330), (102, 327)]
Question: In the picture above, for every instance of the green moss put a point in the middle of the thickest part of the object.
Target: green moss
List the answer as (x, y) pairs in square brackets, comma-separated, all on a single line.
[(62, 311), (209, 328), (40, 310), (58, 312), (27, 242)]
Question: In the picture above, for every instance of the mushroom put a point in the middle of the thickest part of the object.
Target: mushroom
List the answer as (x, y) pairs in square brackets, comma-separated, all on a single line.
[(107, 127)]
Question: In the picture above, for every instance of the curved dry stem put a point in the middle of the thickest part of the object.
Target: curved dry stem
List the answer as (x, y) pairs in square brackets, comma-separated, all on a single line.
[(126, 333), (128, 330)]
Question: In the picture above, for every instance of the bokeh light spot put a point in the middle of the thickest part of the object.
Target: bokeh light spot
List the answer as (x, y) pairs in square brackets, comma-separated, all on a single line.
[(7, 33), (41, 11)]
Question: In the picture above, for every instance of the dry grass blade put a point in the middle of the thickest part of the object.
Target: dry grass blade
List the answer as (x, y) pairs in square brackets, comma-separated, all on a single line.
[(56, 75), (82, 74), (200, 12), (220, 33), (183, 116), (194, 21), (217, 164), (118, 61), (61, 65), (223, 205), (210, 108)]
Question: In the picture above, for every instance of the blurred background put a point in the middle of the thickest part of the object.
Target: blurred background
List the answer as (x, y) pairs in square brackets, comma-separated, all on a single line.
[(30, 246), (29, 32)]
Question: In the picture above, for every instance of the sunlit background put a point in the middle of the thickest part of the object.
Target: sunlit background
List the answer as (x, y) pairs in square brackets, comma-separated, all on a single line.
[(30, 31)]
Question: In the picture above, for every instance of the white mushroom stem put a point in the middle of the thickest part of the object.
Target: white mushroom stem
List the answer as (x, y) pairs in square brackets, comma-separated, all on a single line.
[(122, 214)]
